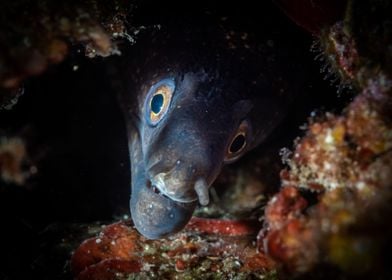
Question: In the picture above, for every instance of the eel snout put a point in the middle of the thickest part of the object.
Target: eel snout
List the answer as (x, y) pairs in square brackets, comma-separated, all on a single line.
[(163, 202), (156, 216)]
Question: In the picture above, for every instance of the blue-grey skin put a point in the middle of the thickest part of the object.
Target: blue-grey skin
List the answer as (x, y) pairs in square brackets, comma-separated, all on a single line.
[(216, 89)]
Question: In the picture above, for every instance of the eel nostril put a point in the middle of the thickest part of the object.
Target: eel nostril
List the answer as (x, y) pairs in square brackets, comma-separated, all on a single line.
[(201, 188)]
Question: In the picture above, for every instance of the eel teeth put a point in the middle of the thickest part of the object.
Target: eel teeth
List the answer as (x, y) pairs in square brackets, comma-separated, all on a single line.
[(201, 188)]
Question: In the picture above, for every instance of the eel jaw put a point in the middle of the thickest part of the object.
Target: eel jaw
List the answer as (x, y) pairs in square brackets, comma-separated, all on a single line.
[(156, 215), (183, 193)]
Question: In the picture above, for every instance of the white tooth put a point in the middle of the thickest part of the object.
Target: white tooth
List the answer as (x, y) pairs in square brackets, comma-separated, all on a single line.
[(201, 189)]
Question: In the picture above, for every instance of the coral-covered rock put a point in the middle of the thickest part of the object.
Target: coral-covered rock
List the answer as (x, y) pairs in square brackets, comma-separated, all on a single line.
[(13, 156), (36, 35), (344, 162), (206, 247), (284, 207)]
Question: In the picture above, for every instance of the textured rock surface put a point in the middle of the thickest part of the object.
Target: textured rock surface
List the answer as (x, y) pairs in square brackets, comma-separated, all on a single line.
[(35, 35), (343, 162)]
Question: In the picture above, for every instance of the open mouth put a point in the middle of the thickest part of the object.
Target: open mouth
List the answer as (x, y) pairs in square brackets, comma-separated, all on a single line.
[(156, 190), (155, 215), (154, 212), (200, 188)]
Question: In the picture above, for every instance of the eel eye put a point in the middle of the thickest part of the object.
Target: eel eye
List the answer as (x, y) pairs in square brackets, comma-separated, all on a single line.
[(158, 100), (238, 142)]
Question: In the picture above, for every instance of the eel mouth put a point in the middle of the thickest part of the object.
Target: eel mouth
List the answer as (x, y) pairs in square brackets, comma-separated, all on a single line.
[(162, 203), (183, 191), (157, 191), (156, 215)]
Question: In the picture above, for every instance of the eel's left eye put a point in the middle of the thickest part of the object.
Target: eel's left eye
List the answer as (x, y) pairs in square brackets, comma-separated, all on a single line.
[(238, 142), (158, 101)]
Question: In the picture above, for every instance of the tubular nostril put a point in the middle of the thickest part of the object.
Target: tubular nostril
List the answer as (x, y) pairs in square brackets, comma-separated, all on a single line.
[(201, 189)]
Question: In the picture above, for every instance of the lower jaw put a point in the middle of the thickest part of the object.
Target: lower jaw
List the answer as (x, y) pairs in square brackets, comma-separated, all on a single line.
[(155, 215)]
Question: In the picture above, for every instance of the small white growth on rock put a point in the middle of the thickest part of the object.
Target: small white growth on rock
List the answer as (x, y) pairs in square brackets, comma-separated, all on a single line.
[(327, 166), (329, 138), (361, 185)]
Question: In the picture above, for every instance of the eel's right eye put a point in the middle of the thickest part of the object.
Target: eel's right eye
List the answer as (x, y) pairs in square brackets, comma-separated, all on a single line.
[(158, 101), (238, 142)]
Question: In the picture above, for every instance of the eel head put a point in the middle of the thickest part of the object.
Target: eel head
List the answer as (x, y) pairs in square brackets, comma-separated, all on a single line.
[(184, 136)]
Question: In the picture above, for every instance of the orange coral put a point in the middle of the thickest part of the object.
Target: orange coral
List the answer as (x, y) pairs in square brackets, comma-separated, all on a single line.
[(346, 159)]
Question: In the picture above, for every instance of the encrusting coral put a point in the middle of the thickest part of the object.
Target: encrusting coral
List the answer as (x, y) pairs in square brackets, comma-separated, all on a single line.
[(345, 161)]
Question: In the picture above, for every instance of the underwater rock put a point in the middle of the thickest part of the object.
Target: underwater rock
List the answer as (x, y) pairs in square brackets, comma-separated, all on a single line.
[(119, 252), (37, 35), (13, 156), (342, 167)]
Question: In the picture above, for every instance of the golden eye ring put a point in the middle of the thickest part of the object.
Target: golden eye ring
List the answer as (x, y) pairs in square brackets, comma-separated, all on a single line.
[(158, 101), (238, 142)]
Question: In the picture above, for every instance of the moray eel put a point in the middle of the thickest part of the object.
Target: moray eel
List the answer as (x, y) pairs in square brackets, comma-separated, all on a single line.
[(197, 98)]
